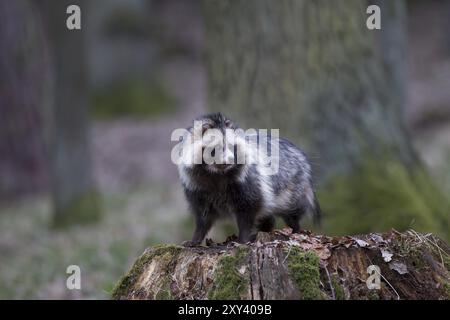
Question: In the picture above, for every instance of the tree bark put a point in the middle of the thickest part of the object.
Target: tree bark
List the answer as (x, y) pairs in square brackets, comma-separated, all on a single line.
[(74, 192), (281, 265), (23, 66), (334, 87)]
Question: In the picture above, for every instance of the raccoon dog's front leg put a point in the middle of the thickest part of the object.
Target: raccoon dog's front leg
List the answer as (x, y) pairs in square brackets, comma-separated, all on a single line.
[(292, 217), (293, 221), (247, 204), (246, 224), (202, 225), (204, 215)]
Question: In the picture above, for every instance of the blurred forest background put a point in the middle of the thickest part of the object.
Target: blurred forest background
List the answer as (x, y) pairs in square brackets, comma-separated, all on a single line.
[(86, 118)]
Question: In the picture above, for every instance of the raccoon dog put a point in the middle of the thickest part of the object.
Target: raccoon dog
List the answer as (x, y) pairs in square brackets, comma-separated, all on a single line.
[(250, 190)]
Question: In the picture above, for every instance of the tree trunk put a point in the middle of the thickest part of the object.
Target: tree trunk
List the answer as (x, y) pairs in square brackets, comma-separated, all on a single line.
[(281, 265), (74, 193), (313, 69), (22, 69)]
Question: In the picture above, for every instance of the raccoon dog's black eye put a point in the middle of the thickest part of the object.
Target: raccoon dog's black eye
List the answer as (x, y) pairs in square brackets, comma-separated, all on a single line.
[(205, 127)]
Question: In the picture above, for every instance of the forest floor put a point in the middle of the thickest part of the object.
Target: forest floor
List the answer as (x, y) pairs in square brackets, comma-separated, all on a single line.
[(35, 258), (143, 205)]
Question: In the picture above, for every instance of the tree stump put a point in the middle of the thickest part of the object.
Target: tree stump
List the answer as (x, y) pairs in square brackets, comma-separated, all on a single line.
[(282, 265)]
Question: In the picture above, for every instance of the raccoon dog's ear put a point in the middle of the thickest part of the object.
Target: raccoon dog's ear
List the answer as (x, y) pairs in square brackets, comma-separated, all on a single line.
[(205, 126)]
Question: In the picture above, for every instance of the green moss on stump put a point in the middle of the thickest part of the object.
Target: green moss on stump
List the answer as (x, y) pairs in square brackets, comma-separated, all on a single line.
[(411, 252), (446, 259), (305, 271), (373, 295), (126, 283), (229, 284), (164, 293), (339, 292), (446, 290), (167, 258), (445, 279)]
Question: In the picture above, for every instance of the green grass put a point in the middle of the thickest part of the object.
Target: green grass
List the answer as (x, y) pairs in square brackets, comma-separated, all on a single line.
[(128, 23), (384, 195), (35, 256), (135, 99)]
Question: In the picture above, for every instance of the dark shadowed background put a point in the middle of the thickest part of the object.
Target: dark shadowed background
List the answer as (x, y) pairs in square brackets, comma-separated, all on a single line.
[(86, 117)]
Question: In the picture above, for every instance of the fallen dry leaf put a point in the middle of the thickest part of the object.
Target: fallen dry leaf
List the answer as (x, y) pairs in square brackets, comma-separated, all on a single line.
[(387, 256), (361, 243), (323, 253), (400, 267), (377, 238)]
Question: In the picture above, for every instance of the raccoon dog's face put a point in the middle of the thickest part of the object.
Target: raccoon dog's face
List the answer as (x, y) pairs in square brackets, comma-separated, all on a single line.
[(219, 142)]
